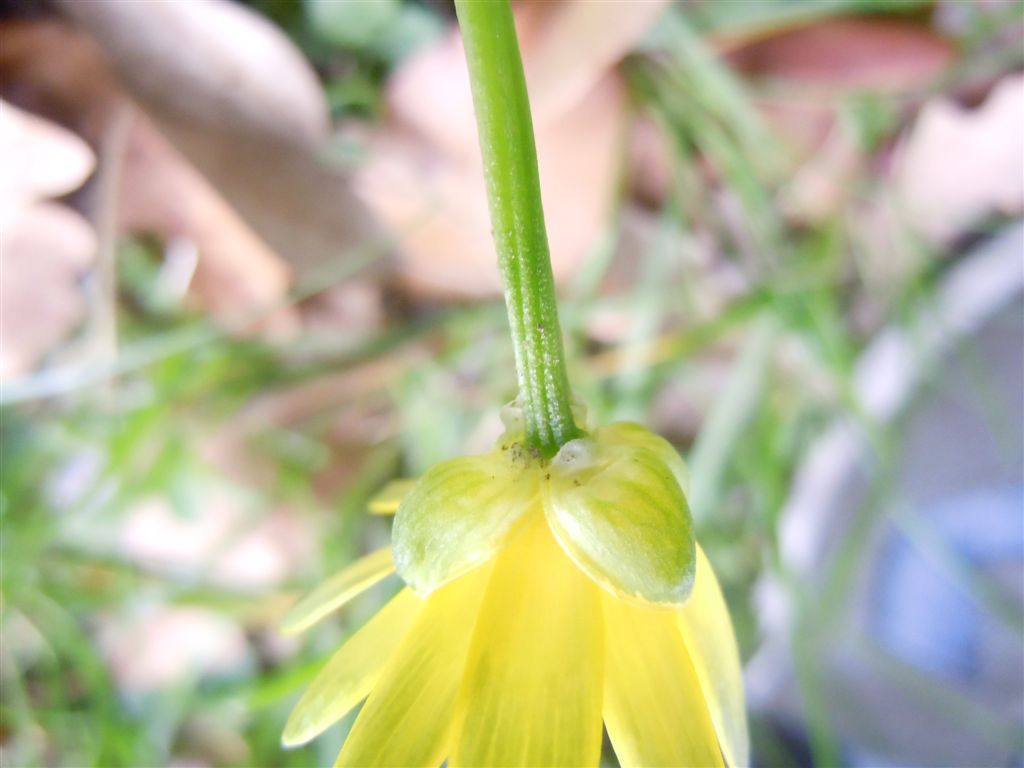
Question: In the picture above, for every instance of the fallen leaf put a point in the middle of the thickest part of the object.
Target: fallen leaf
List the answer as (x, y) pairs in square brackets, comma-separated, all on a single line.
[(957, 165), (569, 47), (245, 108), (223, 541), (241, 74), (843, 54), (160, 648), (44, 244), (41, 159), (424, 175), (50, 70), (48, 245), (238, 279), (149, 185)]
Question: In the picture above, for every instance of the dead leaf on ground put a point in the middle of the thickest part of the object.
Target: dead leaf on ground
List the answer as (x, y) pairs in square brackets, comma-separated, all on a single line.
[(214, 64), (569, 47), (160, 647), (60, 73), (849, 54), (244, 106), (45, 244), (821, 63), (237, 277), (649, 162), (957, 165), (41, 159), (438, 205), (424, 177), (233, 550)]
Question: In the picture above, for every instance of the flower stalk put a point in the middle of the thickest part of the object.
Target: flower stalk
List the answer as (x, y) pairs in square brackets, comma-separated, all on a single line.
[(554, 588), (517, 218)]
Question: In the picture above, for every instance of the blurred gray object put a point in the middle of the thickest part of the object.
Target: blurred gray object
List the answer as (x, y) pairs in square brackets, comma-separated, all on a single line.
[(904, 539)]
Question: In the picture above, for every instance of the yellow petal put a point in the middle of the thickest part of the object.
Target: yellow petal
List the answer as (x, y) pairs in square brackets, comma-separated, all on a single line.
[(653, 704), (407, 719), (707, 631), (531, 692), (459, 514), (338, 590), (390, 496), (352, 671)]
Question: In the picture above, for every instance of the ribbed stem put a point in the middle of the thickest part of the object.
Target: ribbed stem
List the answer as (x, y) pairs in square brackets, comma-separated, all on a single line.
[(517, 218)]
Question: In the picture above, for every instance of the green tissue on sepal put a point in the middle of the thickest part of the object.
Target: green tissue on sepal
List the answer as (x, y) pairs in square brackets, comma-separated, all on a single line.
[(630, 433), (615, 505), (459, 514)]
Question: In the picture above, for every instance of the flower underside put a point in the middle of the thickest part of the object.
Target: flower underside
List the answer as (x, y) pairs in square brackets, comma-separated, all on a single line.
[(543, 601), (613, 501)]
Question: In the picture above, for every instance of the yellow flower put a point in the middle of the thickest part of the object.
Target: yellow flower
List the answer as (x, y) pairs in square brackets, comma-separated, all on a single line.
[(542, 599)]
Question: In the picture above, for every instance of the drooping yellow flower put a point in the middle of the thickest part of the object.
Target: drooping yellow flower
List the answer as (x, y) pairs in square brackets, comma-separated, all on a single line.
[(542, 599)]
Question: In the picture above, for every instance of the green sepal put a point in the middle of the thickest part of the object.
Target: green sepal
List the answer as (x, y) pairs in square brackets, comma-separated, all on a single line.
[(631, 433), (615, 505), (459, 514)]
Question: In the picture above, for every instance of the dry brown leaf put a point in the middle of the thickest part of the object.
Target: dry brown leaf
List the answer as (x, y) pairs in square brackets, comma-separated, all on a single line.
[(568, 48), (574, 44), (214, 64), (957, 165), (237, 277), (803, 123), (438, 206), (47, 249), (153, 189), (222, 541), (237, 99), (843, 54), (162, 647), (424, 177), (41, 159), (49, 69)]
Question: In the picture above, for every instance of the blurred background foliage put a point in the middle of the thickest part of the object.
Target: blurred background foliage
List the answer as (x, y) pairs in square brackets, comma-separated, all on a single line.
[(242, 291)]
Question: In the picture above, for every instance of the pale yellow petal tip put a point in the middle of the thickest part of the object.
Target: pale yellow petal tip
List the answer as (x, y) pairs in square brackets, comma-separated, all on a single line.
[(386, 501), (654, 708), (707, 631), (289, 628), (294, 622), (295, 735), (304, 725), (337, 590)]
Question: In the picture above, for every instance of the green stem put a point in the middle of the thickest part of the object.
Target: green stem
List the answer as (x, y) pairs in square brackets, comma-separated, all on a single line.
[(517, 218)]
